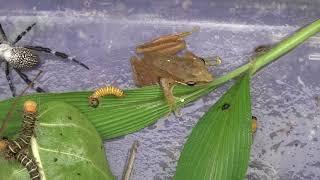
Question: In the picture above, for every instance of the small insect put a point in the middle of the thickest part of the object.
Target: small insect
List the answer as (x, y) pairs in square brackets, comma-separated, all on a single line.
[(23, 57), (108, 90), (29, 164), (262, 49), (225, 106), (254, 124), (27, 130)]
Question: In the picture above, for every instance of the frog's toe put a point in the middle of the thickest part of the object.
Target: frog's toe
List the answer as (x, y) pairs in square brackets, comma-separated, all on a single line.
[(172, 103), (172, 106), (177, 112)]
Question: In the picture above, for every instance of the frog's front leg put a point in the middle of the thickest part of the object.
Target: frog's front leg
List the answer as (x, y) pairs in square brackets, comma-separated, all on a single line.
[(167, 85)]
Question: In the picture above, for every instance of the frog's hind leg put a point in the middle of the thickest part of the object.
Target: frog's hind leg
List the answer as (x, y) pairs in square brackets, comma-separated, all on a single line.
[(170, 47), (167, 85), (175, 37), (174, 48), (167, 44)]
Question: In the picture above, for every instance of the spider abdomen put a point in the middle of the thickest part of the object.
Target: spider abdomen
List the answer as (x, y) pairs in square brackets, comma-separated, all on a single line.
[(22, 58), (18, 57)]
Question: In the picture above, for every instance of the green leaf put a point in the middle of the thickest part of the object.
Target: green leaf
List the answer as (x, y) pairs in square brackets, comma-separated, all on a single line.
[(11, 170), (66, 145), (115, 116), (219, 146)]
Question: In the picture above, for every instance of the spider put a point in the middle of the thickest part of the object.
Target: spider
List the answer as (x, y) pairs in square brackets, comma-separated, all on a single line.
[(24, 58)]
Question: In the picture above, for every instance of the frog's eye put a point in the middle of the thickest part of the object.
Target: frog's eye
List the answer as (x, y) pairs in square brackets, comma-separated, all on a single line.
[(204, 61), (191, 83)]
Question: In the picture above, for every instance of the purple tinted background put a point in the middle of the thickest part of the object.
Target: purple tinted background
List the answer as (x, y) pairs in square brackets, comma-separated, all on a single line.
[(103, 35)]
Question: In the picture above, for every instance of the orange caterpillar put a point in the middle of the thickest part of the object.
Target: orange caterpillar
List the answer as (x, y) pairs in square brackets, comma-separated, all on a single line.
[(108, 90)]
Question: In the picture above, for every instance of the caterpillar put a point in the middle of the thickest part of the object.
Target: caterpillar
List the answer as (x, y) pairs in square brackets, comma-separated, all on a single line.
[(29, 164), (100, 92), (15, 148), (27, 130)]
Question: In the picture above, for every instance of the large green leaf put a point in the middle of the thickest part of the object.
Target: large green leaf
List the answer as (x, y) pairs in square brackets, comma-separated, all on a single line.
[(66, 144), (219, 146), (114, 116)]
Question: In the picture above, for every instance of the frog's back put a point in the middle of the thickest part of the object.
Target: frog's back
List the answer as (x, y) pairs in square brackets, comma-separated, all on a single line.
[(166, 65)]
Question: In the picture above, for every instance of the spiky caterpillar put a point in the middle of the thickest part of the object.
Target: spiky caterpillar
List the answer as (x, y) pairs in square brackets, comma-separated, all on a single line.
[(29, 164), (16, 148), (27, 130)]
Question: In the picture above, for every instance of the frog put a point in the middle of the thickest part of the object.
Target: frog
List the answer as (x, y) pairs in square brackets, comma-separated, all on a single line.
[(159, 63)]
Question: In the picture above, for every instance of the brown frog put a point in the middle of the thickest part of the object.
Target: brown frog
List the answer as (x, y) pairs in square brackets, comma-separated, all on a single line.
[(160, 65)]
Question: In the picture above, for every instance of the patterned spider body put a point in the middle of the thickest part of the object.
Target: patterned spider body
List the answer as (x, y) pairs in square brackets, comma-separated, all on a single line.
[(19, 57), (24, 58)]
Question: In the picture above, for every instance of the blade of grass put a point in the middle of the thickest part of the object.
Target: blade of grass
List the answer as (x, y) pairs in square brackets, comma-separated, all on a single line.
[(219, 145)]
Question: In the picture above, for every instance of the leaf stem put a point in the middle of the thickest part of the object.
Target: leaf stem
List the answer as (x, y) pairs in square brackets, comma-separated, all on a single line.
[(273, 54)]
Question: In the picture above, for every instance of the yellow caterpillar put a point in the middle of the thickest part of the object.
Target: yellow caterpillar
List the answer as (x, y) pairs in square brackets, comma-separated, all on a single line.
[(104, 91)]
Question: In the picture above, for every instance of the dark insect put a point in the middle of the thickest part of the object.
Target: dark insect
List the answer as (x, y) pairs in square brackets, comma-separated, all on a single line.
[(23, 57), (225, 106), (262, 49), (27, 130), (29, 164), (108, 90)]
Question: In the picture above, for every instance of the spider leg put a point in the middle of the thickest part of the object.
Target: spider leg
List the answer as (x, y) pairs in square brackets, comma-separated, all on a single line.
[(19, 37), (28, 81), (56, 53), (2, 34), (7, 72)]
